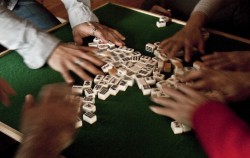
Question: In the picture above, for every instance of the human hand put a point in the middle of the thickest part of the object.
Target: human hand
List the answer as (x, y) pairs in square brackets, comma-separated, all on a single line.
[(187, 39), (5, 90), (234, 86), (236, 60), (182, 104), (105, 33), (67, 57), (48, 126), (160, 10)]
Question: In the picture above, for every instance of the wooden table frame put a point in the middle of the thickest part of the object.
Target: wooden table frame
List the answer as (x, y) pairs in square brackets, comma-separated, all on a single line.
[(16, 135)]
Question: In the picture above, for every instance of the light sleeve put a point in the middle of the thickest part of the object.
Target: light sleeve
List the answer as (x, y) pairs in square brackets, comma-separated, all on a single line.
[(221, 132), (209, 7), (79, 11), (33, 45)]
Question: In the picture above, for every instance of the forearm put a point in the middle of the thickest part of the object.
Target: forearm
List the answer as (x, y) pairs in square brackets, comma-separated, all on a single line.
[(221, 132), (33, 45), (148, 4), (38, 144), (197, 20), (209, 7), (79, 11)]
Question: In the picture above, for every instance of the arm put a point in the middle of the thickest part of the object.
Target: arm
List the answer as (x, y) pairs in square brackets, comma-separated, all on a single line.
[(221, 134), (187, 38), (148, 4), (48, 126), (220, 131), (190, 36), (33, 45), (37, 48), (79, 12), (84, 23), (209, 7), (5, 91)]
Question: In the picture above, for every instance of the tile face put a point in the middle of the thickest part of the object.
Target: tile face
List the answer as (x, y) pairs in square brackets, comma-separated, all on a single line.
[(176, 127), (90, 117), (88, 107), (104, 93)]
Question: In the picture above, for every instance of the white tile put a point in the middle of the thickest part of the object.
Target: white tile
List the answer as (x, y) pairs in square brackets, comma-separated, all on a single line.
[(89, 117), (87, 107)]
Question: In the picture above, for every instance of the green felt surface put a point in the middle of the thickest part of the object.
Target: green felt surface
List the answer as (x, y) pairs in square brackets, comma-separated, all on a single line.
[(125, 127)]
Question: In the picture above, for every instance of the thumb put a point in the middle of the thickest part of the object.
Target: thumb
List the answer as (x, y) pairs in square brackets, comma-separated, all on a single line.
[(78, 39), (201, 46), (29, 102)]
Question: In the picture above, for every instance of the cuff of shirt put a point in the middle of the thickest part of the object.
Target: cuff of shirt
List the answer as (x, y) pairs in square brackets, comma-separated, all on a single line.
[(76, 16), (37, 55), (79, 12)]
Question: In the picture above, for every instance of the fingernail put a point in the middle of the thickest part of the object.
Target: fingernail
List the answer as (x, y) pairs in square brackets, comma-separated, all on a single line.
[(153, 98)]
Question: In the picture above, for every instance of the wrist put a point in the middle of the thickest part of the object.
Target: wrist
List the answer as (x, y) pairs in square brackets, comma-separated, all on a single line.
[(38, 144), (197, 20)]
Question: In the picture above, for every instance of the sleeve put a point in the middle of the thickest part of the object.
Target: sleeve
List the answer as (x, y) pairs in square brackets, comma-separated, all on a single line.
[(79, 11), (148, 4), (33, 45), (221, 132), (209, 7)]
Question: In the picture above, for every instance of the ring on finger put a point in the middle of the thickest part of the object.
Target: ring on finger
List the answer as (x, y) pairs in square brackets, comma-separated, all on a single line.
[(78, 62), (93, 31)]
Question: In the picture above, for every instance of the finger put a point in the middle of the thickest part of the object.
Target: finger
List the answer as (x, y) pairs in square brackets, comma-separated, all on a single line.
[(159, 10), (118, 34), (67, 77), (75, 104), (4, 98), (89, 67), (55, 93), (166, 47), (191, 93), (176, 95), (211, 59), (163, 111), (102, 35), (6, 87), (201, 46), (114, 39), (163, 11), (84, 49), (215, 61), (78, 70), (164, 43), (208, 57), (200, 85), (224, 66), (188, 52), (87, 49), (194, 75), (91, 59), (166, 102), (175, 48), (215, 55), (78, 39), (29, 102)]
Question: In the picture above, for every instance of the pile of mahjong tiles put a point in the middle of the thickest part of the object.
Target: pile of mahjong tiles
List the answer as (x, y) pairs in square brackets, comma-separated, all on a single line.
[(124, 67)]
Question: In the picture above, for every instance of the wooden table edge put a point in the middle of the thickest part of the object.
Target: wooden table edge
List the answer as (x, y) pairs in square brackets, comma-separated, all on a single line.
[(16, 135)]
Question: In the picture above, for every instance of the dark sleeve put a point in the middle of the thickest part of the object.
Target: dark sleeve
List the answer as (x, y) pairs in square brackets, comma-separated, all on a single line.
[(221, 132), (148, 4)]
